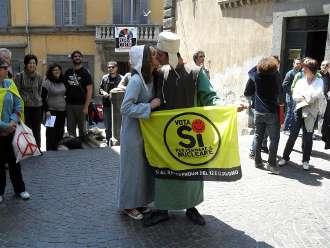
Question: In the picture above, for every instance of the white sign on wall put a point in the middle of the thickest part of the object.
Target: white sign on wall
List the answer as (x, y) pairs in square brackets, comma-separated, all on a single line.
[(125, 38)]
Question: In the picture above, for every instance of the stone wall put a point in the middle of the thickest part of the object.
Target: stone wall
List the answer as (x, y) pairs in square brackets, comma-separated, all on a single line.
[(235, 34)]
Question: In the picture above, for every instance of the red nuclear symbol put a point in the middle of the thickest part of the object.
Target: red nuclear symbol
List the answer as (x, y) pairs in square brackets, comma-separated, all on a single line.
[(198, 126)]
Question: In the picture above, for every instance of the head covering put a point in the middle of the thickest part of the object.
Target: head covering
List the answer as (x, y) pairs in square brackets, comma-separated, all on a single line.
[(136, 59), (169, 42), (3, 63)]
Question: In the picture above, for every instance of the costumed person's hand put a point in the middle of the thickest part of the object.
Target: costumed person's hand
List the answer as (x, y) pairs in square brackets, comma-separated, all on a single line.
[(155, 103), (241, 107)]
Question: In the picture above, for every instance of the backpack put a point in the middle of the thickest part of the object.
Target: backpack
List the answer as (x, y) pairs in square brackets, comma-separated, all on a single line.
[(95, 112)]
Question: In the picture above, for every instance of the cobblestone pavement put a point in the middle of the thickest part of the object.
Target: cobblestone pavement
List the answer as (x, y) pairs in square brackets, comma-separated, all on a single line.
[(73, 205)]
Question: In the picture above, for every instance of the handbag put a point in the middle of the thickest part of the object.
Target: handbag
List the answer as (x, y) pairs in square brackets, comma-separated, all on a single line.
[(24, 143)]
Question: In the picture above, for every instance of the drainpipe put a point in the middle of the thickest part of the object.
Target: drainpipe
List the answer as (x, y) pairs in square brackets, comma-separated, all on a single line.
[(27, 32), (132, 11)]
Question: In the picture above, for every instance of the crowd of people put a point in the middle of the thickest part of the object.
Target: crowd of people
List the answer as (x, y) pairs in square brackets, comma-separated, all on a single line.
[(305, 91), (27, 96), (159, 80)]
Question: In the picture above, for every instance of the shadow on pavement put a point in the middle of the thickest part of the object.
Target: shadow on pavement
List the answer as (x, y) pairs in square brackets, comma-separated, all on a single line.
[(180, 232), (312, 177), (316, 154)]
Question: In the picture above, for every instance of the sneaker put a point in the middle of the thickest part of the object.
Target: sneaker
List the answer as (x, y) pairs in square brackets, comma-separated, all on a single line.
[(282, 162), (306, 165), (195, 217), (155, 217), (273, 169), (133, 213), (24, 195), (1, 198)]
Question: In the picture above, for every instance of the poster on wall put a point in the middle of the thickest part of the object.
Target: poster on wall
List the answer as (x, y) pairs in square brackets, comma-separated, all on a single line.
[(125, 38)]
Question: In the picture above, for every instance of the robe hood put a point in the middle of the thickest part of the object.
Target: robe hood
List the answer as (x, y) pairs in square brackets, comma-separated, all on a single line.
[(136, 59)]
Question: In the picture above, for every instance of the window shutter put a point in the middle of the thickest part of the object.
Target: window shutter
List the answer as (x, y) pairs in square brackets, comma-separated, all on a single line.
[(4, 13), (117, 11), (59, 12), (80, 12), (143, 9)]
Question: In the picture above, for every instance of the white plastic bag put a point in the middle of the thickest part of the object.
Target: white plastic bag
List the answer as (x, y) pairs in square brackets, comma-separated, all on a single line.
[(24, 143)]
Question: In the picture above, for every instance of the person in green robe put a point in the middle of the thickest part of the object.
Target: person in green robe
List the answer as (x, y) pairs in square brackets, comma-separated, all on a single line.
[(180, 86)]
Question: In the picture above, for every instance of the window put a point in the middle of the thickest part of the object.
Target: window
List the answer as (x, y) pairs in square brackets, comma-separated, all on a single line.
[(4, 9), (69, 12), (130, 11)]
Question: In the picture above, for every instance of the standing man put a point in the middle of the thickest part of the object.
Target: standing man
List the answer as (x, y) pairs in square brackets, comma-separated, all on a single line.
[(199, 58), (79, 87), (287, 82), (324, 71), (109, 81), (325, 75)]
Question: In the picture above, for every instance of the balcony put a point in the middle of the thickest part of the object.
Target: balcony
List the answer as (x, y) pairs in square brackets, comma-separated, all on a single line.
[(227, 4), (145, 32)]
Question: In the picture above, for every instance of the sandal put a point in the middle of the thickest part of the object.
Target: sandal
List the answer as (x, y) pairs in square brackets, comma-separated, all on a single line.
[(133, 213)]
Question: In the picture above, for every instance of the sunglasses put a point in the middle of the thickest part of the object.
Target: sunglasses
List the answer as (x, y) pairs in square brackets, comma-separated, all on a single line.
[(4, 67), (111, 67)]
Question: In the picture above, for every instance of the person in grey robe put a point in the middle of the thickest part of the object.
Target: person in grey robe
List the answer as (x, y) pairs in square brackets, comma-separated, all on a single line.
[(136, 184)]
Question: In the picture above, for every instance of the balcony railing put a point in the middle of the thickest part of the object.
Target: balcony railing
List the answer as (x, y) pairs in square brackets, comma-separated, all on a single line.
[(144, 32)]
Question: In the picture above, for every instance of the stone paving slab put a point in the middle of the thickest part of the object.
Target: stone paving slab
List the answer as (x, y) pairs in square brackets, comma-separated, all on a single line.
[(73, 204)]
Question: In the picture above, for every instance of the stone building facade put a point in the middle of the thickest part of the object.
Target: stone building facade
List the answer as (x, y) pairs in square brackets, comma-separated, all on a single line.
[(235, 34), (52, 29)]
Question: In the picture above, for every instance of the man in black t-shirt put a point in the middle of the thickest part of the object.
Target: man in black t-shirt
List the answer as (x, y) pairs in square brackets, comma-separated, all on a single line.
[(109, 82), (79, 88)]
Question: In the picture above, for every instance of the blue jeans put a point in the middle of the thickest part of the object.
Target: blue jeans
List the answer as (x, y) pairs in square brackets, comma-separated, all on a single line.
[(264, 141), (253, 145), (289, 116), (307, 138), (270, 122)]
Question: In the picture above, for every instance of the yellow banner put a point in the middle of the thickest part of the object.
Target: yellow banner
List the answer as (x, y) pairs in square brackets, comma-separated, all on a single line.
[(198, 143)]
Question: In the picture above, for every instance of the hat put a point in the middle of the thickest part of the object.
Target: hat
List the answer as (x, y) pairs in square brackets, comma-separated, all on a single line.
[(169, 42), (3, 63), (112, 63)]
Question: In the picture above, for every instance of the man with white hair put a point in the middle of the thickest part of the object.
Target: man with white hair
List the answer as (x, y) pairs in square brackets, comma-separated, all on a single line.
[(180, 86)]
